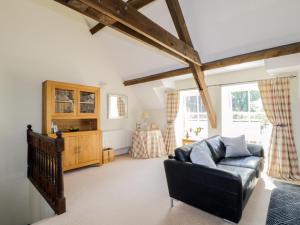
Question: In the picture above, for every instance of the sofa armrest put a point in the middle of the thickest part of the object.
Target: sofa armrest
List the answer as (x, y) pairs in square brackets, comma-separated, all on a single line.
[(256, 150), (213, 190)]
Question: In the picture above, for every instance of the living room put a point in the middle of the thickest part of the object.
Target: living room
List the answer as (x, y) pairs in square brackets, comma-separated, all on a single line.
[(256, 41)]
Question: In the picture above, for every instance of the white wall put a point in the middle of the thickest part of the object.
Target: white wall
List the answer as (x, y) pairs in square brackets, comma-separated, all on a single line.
[(214, 82), (43, 40)]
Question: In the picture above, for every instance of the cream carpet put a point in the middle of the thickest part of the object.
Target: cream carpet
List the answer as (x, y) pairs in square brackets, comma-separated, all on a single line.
[(134, 192)]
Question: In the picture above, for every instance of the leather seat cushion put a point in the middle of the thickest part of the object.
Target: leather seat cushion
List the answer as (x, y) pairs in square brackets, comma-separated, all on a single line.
[(248, 177), (251, 162), (217, 147)]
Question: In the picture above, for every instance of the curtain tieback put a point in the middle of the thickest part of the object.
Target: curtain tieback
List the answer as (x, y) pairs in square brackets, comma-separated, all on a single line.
[(280, 125), (170, 123)]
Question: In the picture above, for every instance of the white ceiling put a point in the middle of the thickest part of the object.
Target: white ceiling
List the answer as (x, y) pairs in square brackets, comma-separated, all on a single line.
[(218, 29)]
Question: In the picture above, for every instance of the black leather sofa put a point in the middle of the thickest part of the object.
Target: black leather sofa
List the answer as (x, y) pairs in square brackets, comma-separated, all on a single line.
[(223, 191)]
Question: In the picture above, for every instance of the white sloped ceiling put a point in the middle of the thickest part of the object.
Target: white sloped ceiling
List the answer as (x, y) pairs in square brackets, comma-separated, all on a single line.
[(218, 29)]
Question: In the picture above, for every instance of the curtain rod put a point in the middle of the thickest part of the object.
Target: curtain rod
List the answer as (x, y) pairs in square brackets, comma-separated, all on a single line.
[(240, 82)]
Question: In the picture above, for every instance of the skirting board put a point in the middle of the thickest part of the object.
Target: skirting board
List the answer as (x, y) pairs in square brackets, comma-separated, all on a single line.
[(122, 151)]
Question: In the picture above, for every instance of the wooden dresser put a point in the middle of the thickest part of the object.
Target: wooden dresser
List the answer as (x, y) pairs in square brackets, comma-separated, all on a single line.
[(74, 109)]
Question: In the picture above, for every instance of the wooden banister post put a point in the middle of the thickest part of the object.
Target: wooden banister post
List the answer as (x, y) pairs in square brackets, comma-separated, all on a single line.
[(61, 201), (29, 129), (29, 154)]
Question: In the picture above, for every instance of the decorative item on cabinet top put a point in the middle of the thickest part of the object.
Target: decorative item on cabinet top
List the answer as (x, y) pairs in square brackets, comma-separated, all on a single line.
[(75, 110)]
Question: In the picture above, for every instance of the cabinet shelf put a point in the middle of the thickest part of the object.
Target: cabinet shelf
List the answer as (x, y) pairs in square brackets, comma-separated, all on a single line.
[(91, 103), (71, 101)]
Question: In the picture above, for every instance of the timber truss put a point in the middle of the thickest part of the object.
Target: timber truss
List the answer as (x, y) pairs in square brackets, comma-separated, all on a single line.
[(125, 17)]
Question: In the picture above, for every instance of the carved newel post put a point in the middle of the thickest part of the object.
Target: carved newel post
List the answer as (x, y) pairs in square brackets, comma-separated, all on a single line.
[(61, 201)]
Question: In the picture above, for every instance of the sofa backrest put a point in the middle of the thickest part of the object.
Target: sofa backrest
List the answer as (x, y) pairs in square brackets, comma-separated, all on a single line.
[(217, 147)]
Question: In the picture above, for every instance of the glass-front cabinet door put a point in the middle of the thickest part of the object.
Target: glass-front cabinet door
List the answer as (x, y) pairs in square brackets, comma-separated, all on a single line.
[(87, 102), (64, 101)]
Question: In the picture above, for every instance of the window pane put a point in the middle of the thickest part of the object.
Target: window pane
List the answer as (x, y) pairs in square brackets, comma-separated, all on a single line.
[(255, 102), (191, 104), (203, 116), (240, 101), (194, 115), (240, 116), (254, 95), (259, 117), (201, 106)]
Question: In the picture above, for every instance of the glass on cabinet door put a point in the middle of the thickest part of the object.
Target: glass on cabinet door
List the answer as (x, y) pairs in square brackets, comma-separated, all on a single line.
[(64, 101), (87, 104)]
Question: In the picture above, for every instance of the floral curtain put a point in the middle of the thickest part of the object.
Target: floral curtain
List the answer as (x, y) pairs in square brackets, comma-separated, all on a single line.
[(172, 110), (283, 160)]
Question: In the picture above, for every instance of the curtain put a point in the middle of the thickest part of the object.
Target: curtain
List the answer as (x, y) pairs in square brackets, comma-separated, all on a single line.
[(283, 160), (172, 110), (121, 106)]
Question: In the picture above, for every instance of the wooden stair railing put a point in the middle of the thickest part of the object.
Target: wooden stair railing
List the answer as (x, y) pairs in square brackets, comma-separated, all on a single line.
[(45, 169)]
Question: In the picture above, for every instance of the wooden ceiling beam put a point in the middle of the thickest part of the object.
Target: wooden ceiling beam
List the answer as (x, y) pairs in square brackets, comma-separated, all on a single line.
[(105, 21), (130, 17), (159, 76), (137, 4), (139, 37), (183, 33), (254, 56), (249, 57)]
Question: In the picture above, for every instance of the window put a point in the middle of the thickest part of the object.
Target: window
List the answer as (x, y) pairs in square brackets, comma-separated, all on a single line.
[(243, 113), (191, 115), (247, 106)]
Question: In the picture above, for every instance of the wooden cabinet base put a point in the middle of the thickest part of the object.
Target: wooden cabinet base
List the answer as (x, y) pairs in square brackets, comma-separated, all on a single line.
[(91, 163), (82, 149)]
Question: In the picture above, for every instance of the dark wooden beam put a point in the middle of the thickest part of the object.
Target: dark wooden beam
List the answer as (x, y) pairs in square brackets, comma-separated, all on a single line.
[(137, 4), (87, 11), (96, 28), (139, 37), (130, 17), (158, 76), (183, 33), (254, 56), (249, 57), (92, 13)]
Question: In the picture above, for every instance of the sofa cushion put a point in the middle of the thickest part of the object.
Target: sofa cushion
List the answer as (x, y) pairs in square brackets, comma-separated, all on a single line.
[(200, 157), (202, 146), (248, 177), (251, 162), (235, 146), (256, 150), (182, 153), (217, 147)]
